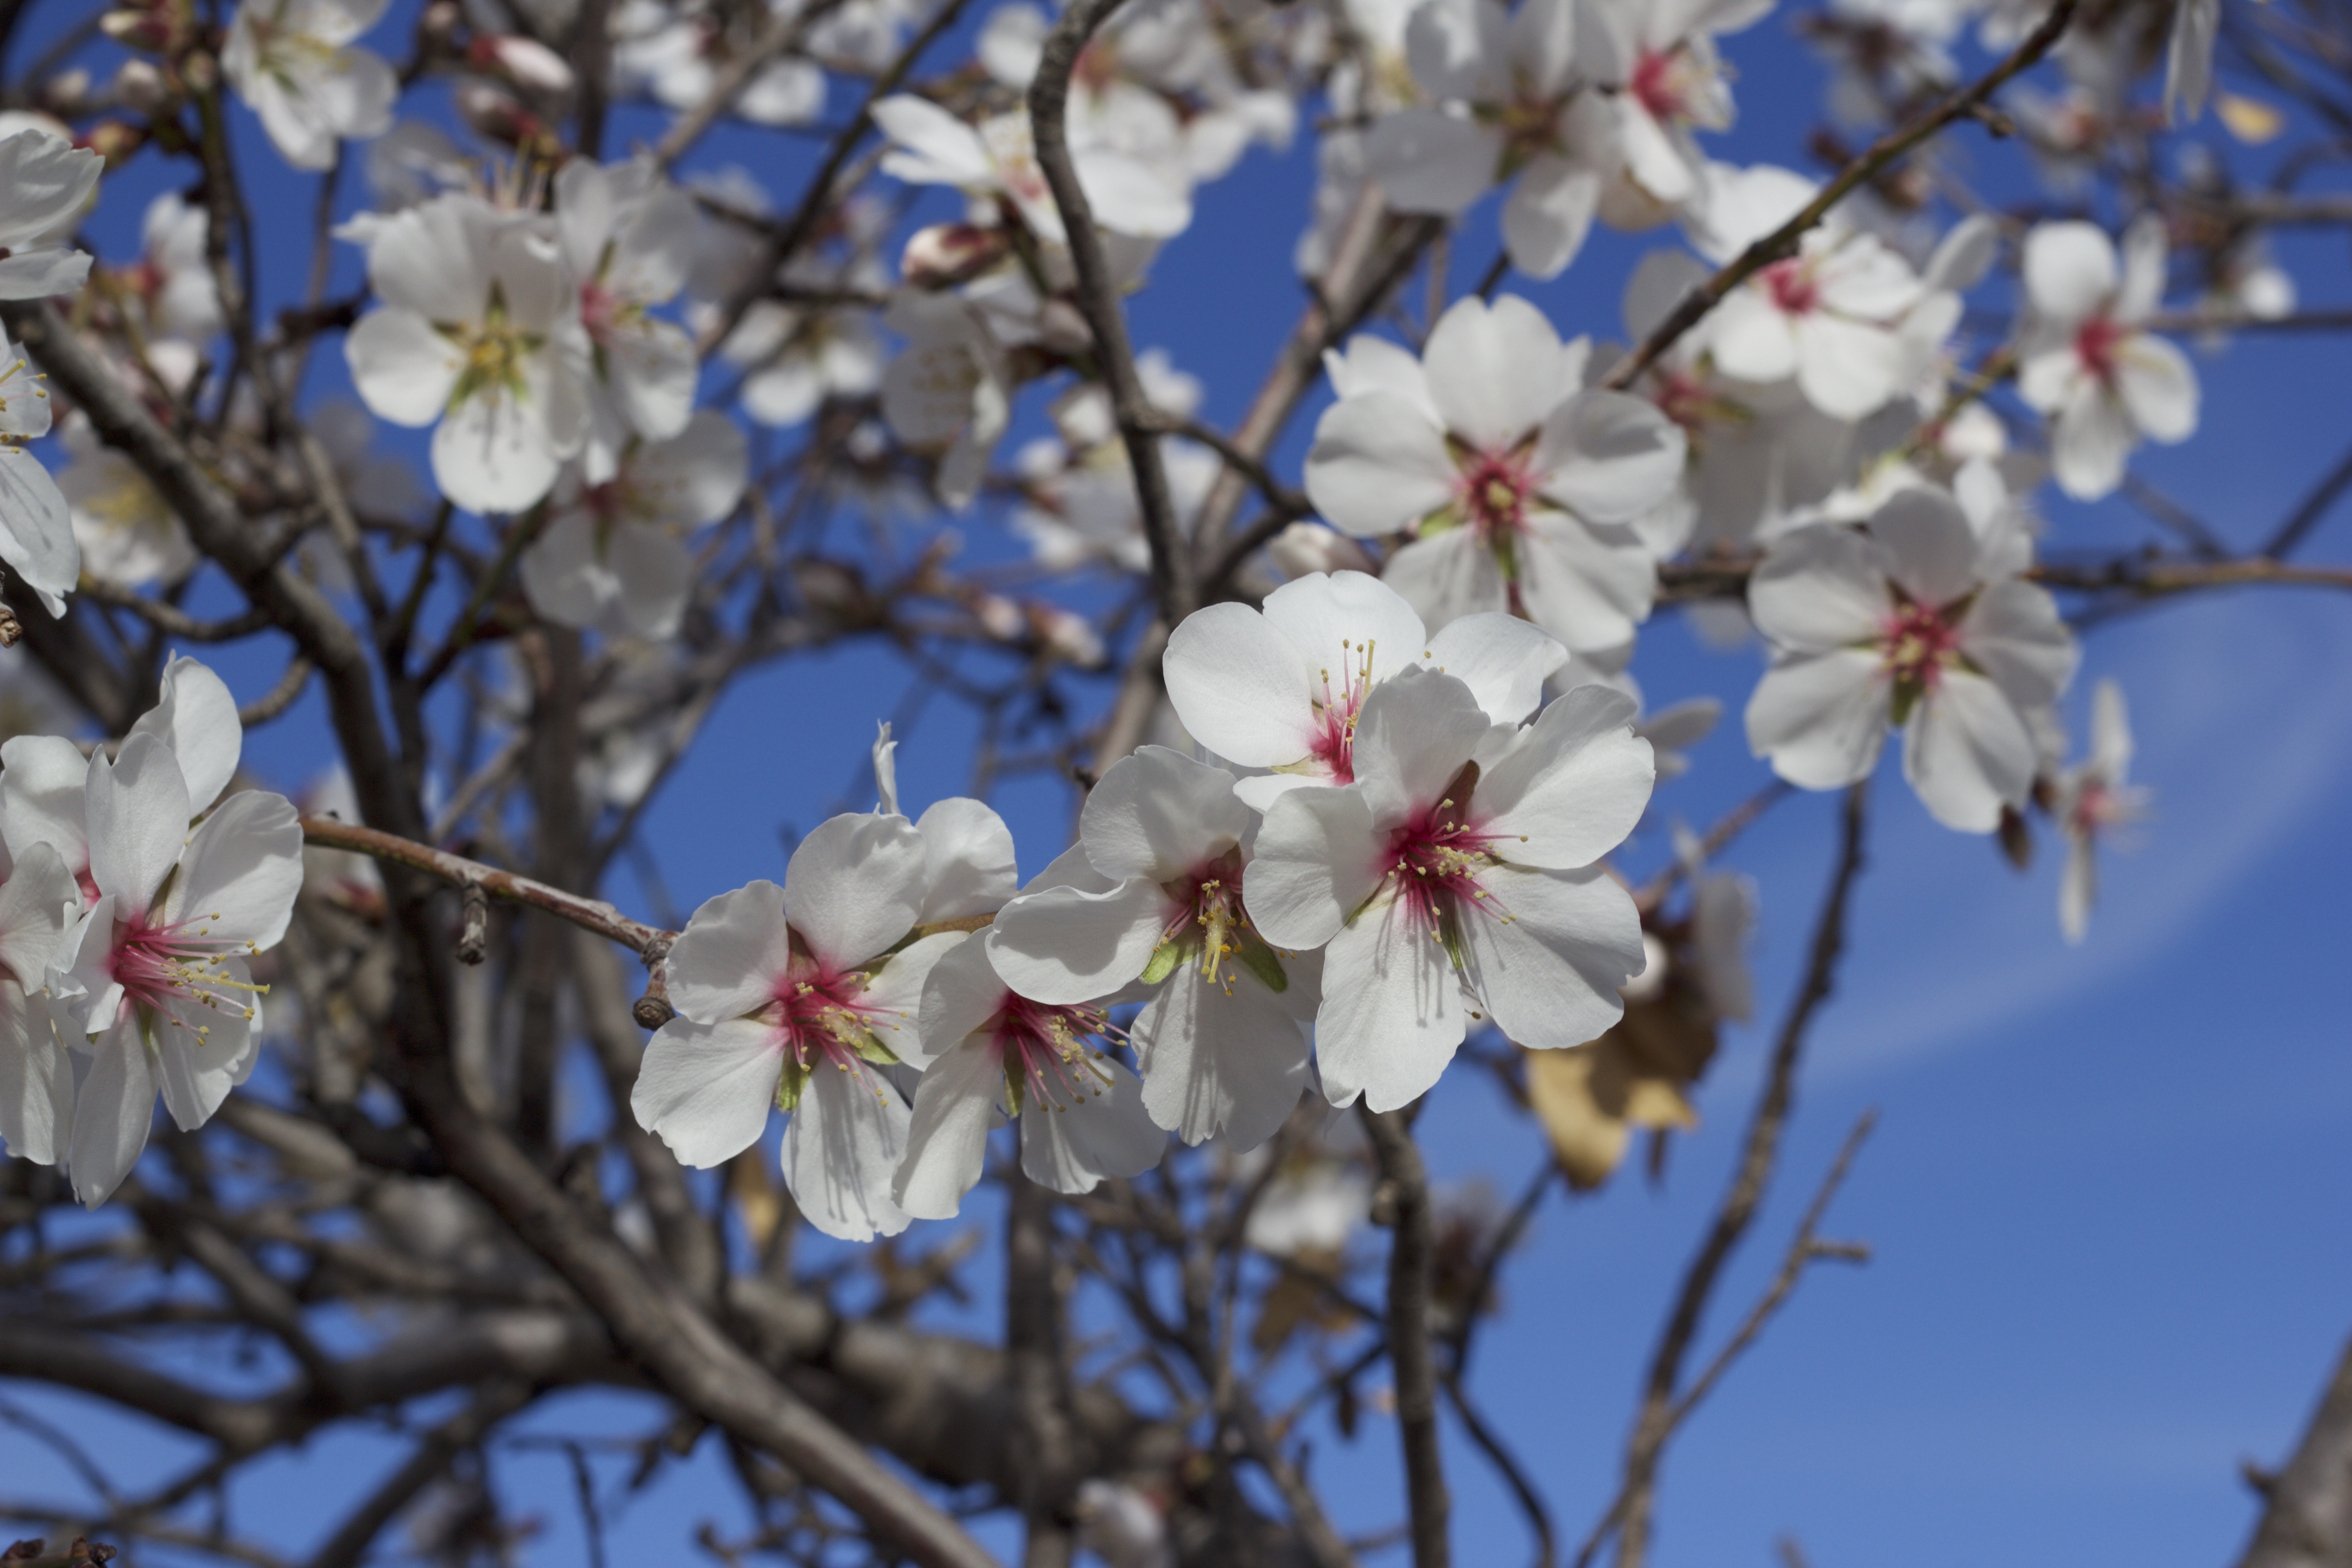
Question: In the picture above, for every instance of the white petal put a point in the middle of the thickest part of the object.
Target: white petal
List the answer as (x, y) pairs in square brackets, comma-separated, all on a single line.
[(43, 786), (731, 956), (402, 369), (1237, 687), (1821, 718), (2070, 270), (705, 1088), (1393, 1013), (1967, 753), (1446, 576), (1571, 785), (1502, 659), (1850, 369), (1413, 735), (492, 454), (2158, 386), (1494, 370), (840, 1151), (36, 538), (1431, 163), (2089, 443), (1610, 457), (968, 865), (1071, 1149), (196, 717), (241, 871), (1064, 946), (1378, 465), (37, 1082), (1588, 585), (946, 1137), (1318, 859), (2015, 634), (1753, 340), (138, 820), (961, 994), (855, 886), (1547, 951), (1819, 589), (113, 1107), (1218, 1060), (1548, 213), (1931, 546), (34, 903), (1158, 814)]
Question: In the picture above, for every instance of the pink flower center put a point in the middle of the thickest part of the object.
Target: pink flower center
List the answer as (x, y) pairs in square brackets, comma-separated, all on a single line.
[(158, 964), (2096, 343), (1917, 641), (1681, 397), (1333, 743), (1792, 285), (1435, 861), (1045, 1051), (1491, 490), (819, 1012), (1659, 84), (1210, 897), (601, 311)]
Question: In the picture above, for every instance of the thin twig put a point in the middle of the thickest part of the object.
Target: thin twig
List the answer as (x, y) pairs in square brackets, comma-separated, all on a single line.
[(1098, 297), (1411, 1269), (2312, 510), (1781, 243)]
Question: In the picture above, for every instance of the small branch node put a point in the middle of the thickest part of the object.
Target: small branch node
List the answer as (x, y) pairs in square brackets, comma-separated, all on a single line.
[(474, 927)]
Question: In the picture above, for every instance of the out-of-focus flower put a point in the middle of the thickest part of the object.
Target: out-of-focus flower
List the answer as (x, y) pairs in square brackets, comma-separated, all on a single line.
[(294, 64), (2095, 798)]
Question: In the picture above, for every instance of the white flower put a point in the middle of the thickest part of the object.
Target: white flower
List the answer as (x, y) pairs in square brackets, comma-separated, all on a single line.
[(1457, 879), (37, 526), (1660, 56), (1520, 484), (2095, 798), (1845, 316), (2086, 359), (2188, 58), (1146, 193), (1520, 107), (475, 307), (37, 1081), (124, 531), (1284, 688), (154, 972), (1124, 1526), (1921, 622), (612, 557), (793, 996), (950, 392), (800, 358), (292, 63), (988, 1050), (630, 237), (172, 278), (45, 183), (1220, 1044)]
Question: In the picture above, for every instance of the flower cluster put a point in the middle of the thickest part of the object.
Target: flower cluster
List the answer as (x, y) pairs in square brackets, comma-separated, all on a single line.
[(1400, 842), (134, 891)]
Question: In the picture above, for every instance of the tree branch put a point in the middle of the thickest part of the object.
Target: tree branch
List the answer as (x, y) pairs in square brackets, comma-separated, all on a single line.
[(1411, 1269)]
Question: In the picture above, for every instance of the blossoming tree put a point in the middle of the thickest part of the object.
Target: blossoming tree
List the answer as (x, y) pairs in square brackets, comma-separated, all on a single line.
[(731, 334)]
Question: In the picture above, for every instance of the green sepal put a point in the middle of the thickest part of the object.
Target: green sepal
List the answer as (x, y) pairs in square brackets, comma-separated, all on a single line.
[(1172, 955), (1449, 937), (869, 1047), (1012, 1092), (1261, 960), (1907, 697)]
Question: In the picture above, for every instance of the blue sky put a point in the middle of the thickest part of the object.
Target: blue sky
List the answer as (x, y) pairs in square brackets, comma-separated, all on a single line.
[(2107, 1187)]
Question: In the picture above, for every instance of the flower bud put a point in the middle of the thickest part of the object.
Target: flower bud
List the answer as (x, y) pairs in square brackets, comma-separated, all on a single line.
[(140, 86), (527, 63), (947, 254), (1306, 548), (112, 140), (65, 94)]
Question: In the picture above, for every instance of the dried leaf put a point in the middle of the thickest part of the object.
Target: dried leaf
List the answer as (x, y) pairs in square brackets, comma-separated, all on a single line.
[(753, 1188), (2249, 119)]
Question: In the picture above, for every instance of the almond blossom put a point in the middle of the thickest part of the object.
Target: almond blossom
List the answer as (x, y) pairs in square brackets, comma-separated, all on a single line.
[(989, 1051), (799, 997), (37, 1079), (1846, 316), (154, 973), (1520, 486), (1146, 192), (1221, 1044), (1457, 879), (48, 183), (1508, 102), (36, 529), (1660, 56), (629, 238), (2095, 798), (1283, 687), (1918, 621), (292, 62), (469, 335), (2086, 359), (612, 557), (950, 392)]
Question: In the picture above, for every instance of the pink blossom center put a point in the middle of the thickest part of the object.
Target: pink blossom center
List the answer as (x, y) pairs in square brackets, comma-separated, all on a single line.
[(157, 964), (1435, 860), (821, 1014), (1208, 897), (1045, 1051), (1681, 397), (1491, 490), (1918, 641), (1792, 287), (1333, 742), (2096, 342), (599, 312), (1659, 85)]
